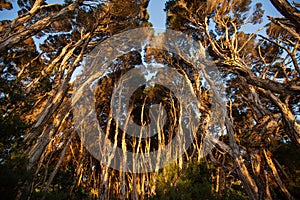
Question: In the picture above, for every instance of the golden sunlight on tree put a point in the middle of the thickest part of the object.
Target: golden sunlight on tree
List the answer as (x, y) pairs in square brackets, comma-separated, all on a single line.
[(255, 152)]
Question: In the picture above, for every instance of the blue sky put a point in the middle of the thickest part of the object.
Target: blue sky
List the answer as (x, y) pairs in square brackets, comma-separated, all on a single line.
[(157, 15)]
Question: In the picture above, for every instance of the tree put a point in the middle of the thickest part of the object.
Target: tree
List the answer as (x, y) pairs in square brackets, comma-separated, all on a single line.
[(36, 87), (256, 89), (41, 49)]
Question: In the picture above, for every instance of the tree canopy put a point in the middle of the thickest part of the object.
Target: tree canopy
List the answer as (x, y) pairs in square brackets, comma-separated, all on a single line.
[(256, 157)]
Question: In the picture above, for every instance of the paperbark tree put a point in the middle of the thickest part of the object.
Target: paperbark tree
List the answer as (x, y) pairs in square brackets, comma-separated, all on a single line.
[(42, 47), (262, 81)]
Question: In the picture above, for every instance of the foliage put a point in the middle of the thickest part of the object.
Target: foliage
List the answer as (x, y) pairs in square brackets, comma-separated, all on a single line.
[(194, 181), (13, 174)]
